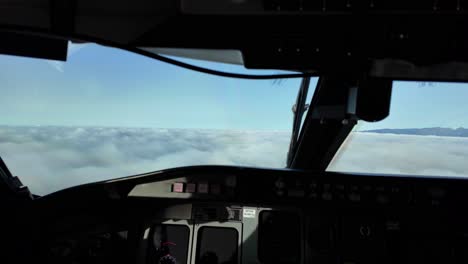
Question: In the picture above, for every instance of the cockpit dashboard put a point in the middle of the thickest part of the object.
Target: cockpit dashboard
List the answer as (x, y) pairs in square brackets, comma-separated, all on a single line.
[(222, 214)]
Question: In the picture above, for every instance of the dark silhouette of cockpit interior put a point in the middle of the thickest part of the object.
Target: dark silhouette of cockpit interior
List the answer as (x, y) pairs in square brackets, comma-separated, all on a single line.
[(242, 214)]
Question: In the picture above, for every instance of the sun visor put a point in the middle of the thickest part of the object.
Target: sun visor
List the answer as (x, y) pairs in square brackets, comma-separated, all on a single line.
[(213, 55), (34, 46)]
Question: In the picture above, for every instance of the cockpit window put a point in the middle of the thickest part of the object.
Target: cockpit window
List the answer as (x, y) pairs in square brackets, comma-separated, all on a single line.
[(426, 133), (108, 113)]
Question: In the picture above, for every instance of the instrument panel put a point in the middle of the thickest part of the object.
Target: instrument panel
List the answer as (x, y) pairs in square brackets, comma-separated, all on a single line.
[(327, 188), (330, 217), (245, 215)]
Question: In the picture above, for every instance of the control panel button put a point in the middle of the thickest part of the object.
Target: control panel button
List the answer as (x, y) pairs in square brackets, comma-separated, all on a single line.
[(279, 187), (231, 181), (339, 192), (203, 188), (382, 198), (354, 197), (296, 193), (327, 196), (215, 188), (190, 188), (178, 187)]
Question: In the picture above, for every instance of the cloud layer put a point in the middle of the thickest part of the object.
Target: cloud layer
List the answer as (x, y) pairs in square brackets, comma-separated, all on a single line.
[(403, 154), (52, 158)]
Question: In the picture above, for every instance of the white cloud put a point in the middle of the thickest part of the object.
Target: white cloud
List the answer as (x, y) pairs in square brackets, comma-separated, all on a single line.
[(403, 154), (52, 158)]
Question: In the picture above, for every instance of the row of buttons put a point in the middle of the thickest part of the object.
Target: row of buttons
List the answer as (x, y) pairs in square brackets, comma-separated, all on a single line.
[(395, 194), (341, 192), (202, 188), (345, 5)]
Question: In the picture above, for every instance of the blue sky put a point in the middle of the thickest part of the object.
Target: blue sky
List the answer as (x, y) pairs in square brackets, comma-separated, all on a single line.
[(418, 105), (101, 86)]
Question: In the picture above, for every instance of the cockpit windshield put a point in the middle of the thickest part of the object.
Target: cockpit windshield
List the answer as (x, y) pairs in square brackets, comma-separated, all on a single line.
[(426, 134), (109, 113)]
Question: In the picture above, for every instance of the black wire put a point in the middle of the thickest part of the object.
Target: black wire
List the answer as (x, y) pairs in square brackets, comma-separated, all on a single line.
[(220, 73), (155, 56)]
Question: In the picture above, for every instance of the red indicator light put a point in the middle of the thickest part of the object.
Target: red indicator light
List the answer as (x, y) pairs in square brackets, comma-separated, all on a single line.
[(178, 187)]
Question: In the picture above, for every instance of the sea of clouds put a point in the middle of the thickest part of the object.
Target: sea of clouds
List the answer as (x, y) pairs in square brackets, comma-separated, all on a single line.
[(52, 158), (403, 154)]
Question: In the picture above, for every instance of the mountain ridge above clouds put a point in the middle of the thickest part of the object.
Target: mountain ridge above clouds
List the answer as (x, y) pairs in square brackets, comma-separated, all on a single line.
[(429, 131)]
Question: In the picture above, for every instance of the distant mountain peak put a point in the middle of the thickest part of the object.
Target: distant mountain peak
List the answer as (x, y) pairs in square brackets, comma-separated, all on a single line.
[(429, 131)]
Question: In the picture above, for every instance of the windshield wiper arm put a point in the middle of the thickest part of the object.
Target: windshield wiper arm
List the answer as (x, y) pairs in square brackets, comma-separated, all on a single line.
[(299, 108)]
